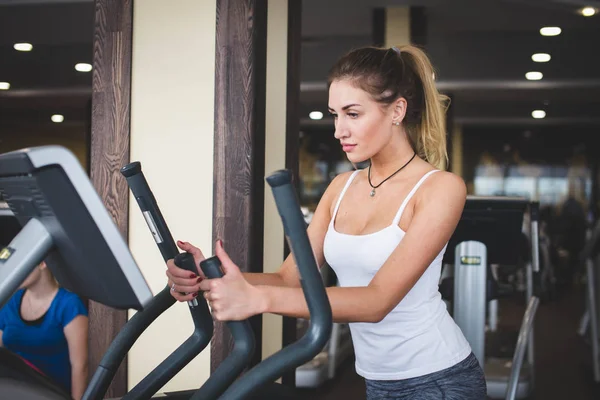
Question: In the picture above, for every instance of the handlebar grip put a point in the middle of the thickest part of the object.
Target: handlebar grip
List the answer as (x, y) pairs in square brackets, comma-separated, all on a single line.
[(212, 267), (186, 261)]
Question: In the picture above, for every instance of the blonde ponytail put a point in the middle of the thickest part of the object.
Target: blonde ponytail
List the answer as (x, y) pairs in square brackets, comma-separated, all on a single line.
[(429, 134)]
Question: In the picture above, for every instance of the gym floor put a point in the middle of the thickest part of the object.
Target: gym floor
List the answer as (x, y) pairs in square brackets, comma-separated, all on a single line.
[(563, 363)]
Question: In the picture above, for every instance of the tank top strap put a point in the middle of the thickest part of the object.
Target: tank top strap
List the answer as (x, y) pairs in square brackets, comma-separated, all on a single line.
[(410, 195), (343, 192)]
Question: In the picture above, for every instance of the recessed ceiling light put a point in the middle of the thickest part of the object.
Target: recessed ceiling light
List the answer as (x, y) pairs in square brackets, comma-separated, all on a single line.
[(23, 46), (316, 115), (4, 85), (588, 11), (57, 118), (538, 114), (550, 31), (534, 76), (83, 67), (541, 57)]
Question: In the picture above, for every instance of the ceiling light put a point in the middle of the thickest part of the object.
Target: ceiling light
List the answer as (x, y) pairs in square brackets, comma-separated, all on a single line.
[(4, 85), (316, 115), (57, 118), (588, 11), (534, 76), (541, 57), (538, 114), (23, 46), (550, 31), (83, 67)]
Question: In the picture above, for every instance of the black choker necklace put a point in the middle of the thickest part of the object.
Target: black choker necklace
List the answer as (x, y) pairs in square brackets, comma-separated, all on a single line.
[(400, 169)]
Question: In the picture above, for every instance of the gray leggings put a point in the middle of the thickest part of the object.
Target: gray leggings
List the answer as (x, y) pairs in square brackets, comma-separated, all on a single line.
[(463, 381)]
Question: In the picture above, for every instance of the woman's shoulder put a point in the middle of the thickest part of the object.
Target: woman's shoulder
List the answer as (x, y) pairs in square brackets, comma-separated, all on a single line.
[(340, 180), (441, 185), (338, 183), (66, 297), (68, 305)]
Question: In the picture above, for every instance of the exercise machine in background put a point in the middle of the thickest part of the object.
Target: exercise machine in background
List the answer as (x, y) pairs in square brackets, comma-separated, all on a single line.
[(65, 224), (590, 256), (489, 232)]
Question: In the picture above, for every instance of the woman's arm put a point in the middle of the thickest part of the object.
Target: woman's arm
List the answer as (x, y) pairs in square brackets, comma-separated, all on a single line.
[(287, 275), (437, 210), (76, 333)]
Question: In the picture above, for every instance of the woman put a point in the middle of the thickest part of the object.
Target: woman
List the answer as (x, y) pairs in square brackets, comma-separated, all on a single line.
[(48, 327), (384, 231)]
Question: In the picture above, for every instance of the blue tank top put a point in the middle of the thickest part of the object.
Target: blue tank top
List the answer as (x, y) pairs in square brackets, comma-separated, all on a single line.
[(43, 342)]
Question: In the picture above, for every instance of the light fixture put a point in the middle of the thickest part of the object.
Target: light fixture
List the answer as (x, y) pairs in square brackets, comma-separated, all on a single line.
[(534, 75), (83, 67), (550, 31), (541, 57), (4, 85), (57, 118), (23, 46), (316, 115), (538, 114), (588, 11)]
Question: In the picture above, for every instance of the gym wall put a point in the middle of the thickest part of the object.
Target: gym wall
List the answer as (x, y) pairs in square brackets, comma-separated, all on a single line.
[(173, 136), (72, 137), (172, 125), (275, 144)]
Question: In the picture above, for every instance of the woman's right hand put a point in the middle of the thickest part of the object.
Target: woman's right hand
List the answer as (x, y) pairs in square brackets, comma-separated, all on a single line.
[(184, 284)]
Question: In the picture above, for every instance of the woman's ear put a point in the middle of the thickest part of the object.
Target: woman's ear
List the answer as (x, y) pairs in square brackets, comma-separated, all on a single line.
[(399, 111), (43, 265)]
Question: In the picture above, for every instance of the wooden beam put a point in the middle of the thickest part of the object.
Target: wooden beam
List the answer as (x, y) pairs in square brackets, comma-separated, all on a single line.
[(379, 27), (418, 26), (111, 91), (239, 162)]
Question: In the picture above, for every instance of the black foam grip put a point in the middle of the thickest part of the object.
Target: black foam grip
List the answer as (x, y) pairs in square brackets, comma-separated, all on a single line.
[(212, 267), (131, 169), (279, 178), (186, 261)]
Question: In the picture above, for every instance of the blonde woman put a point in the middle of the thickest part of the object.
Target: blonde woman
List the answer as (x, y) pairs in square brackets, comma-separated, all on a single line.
[(384, 231)]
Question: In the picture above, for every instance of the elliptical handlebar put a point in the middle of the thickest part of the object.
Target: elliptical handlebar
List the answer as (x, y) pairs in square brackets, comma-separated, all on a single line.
[(203, 323), (320, 326), (243, 346)]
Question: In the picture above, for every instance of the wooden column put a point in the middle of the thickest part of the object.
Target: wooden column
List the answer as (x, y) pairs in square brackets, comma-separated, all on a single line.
[(378, 27), (239, 170), (292, 143), (418, 26), (109, 152)]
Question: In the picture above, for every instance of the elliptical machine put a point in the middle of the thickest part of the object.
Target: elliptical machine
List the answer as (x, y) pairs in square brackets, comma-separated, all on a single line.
[(65, 223)]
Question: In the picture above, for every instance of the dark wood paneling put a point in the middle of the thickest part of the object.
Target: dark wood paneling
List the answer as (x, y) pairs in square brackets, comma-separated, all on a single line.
[(110, 151), (379, 27), (418, 26), (292, 140), (239, 166)]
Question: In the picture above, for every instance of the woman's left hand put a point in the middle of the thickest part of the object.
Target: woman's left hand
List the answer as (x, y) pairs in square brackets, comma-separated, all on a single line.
[(231, 297)]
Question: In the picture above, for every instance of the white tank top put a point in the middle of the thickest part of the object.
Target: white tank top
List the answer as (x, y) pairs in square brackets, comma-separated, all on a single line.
[(418, 336)]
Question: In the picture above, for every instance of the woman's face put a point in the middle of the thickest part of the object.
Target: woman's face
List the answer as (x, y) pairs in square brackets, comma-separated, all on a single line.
[(362, 125), (33, 277)]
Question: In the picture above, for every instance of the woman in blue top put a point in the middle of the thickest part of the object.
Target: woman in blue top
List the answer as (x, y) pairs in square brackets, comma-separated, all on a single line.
[(48, 327)]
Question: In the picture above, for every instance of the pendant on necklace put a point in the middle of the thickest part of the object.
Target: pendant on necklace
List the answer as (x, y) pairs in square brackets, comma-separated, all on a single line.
[(372, 192)]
